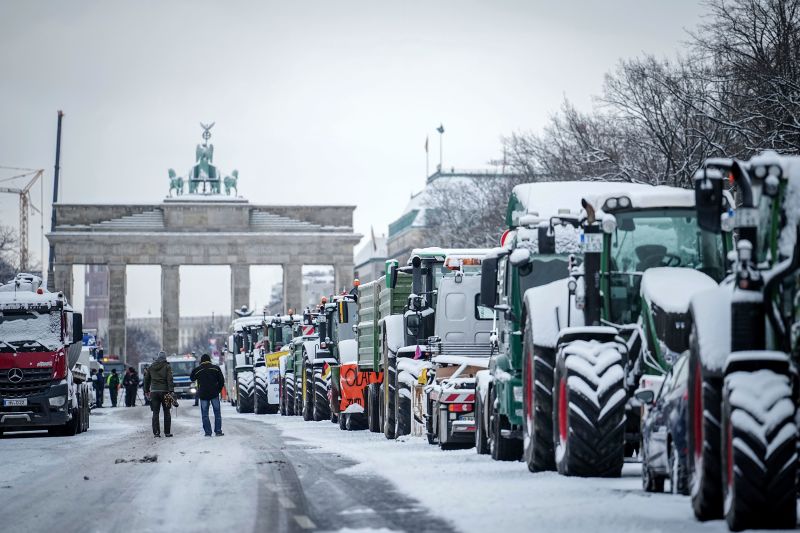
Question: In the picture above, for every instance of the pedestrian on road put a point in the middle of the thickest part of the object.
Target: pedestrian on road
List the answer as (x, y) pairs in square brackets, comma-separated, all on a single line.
[(210, 382), (113, 386), (130, 382), (99, 385), (158, 385)]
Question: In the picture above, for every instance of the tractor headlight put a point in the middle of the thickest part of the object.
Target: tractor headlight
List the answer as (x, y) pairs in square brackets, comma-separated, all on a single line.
[(609, 223), (57, 401), (193, 390)]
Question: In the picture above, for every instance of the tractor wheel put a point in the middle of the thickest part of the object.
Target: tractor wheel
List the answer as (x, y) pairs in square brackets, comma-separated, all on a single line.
[(759, 439), (389, 395), (537, 405), (244, 396), (356, 421), (373, 408), (261, 404), (289, 394), (402, 413), (430, 431), (501, 448), (705, 412), (308, 393), (321, 410), (589, 410), (650, 481), (481, 442), (343, 421)]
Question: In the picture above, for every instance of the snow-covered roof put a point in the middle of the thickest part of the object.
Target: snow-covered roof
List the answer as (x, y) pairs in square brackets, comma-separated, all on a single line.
[(246, 321), (435, 251), (548, 198), (372, 249), (27, 289), (646, 196)]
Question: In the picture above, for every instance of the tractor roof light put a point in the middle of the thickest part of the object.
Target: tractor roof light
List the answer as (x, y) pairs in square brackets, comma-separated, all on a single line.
[(610, 204), (609, 223)]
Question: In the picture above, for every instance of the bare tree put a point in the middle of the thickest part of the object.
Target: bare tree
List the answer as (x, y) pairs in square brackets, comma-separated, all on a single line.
[(8, 253)]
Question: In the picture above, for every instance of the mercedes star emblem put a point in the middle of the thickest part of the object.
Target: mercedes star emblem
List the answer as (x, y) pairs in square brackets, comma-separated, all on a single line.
[(15, 375)]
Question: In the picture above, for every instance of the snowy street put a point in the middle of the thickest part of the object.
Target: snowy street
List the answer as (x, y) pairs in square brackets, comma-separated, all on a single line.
[(272, 473)]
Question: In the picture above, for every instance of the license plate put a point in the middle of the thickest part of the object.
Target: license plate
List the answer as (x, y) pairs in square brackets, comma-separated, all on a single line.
[(470, 418), (21, 402)]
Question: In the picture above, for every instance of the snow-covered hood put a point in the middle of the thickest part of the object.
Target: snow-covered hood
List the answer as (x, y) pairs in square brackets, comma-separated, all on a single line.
[(348, 351), (672, 288), (547, 305)]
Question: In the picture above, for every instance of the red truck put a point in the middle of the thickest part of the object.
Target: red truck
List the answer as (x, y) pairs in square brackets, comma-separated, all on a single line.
[(43, 383)]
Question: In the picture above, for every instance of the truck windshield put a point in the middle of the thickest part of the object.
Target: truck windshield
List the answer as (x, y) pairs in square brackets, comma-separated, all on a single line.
[(182, 368), (30, 331), (652, 238), (541, 271)]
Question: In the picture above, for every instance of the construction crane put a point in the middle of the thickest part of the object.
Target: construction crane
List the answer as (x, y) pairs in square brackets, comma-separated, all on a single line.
[(25, 205)]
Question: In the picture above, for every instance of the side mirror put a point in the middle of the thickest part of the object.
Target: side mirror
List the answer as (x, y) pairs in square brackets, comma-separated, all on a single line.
[(709, 200), (646, 396), (77, 326), (546, 240), (520, 257), (391, 274), (412, 324), (489, 282)]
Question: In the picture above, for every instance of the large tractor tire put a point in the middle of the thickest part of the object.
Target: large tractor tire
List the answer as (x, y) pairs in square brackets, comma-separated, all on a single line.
[(705, 413), (356, 421), (431, 423), (308, 393), (244, 393), (288, 393), (389, 396), (759, 461), (402, 413), (373, 408), (589, 410), (343, 421), (481, 441), (321, 410), (261, 404), (501, 448), (537, 405)]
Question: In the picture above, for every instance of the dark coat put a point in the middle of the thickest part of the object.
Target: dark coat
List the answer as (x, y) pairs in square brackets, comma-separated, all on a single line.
[(100, 382), (130, 381), (209, 380), (159, 378)]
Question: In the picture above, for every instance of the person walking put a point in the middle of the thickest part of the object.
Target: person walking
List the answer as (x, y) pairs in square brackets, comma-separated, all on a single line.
[(210, 382), (130, 383), (99, 385), (113, 386), (158, 385)]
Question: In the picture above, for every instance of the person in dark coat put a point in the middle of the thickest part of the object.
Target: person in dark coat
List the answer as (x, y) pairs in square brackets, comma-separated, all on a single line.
[(210, 382), (130, 382), (99, 386), (158, 384), (113, 386)]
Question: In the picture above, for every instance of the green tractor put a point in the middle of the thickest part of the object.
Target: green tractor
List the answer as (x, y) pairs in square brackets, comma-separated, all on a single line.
[(743, 386)]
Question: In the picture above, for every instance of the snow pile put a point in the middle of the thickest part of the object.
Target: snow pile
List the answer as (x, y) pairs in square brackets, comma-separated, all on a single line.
[(395, 335), (711, 312), (646, 196), (672, 288), (348, 351)]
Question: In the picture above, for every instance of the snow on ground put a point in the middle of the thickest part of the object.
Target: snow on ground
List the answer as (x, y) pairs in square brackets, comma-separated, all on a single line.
[(477, 494)]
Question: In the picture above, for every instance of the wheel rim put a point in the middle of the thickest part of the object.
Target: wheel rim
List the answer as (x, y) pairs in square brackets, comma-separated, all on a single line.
[(562, 410)]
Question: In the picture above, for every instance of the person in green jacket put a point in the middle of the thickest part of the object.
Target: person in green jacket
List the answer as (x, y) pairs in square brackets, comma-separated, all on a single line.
[(157, 384), (113, 386)]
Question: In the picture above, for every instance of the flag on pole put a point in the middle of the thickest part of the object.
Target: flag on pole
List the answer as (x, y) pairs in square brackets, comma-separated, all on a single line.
[(440, 129), (374, 244), (426, 144)]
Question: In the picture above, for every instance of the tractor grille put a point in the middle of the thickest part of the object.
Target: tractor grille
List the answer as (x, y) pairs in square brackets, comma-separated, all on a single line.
[(462, 349), (34, 381)]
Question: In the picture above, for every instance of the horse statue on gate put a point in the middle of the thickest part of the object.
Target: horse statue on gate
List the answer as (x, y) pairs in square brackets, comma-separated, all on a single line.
[(175, 183), (231, 182)]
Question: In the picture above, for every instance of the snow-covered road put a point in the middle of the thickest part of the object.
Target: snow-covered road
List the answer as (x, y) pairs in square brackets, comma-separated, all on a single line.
[(272, 473)]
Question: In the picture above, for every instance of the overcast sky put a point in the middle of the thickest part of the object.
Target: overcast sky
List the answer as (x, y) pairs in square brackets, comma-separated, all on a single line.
[(315, 102)]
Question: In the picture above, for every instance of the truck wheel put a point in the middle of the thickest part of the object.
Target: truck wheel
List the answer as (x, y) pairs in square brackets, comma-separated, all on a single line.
[(759, 471), (430, 431), (321, 409), (481, 442), (501, 448), (705, 412), (373, 408), (402, 413), (537, 405), (356, 421), (261, 403), (389, 386), (589, 410), (343, 421)]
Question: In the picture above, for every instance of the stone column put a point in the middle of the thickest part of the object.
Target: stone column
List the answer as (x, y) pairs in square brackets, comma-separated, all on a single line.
[(240, 288), (117, 287), (170, 303), (62, 274), (343, 275), (293, 288)]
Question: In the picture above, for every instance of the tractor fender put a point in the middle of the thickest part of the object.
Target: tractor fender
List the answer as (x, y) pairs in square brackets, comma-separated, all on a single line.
[(711, 325)]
